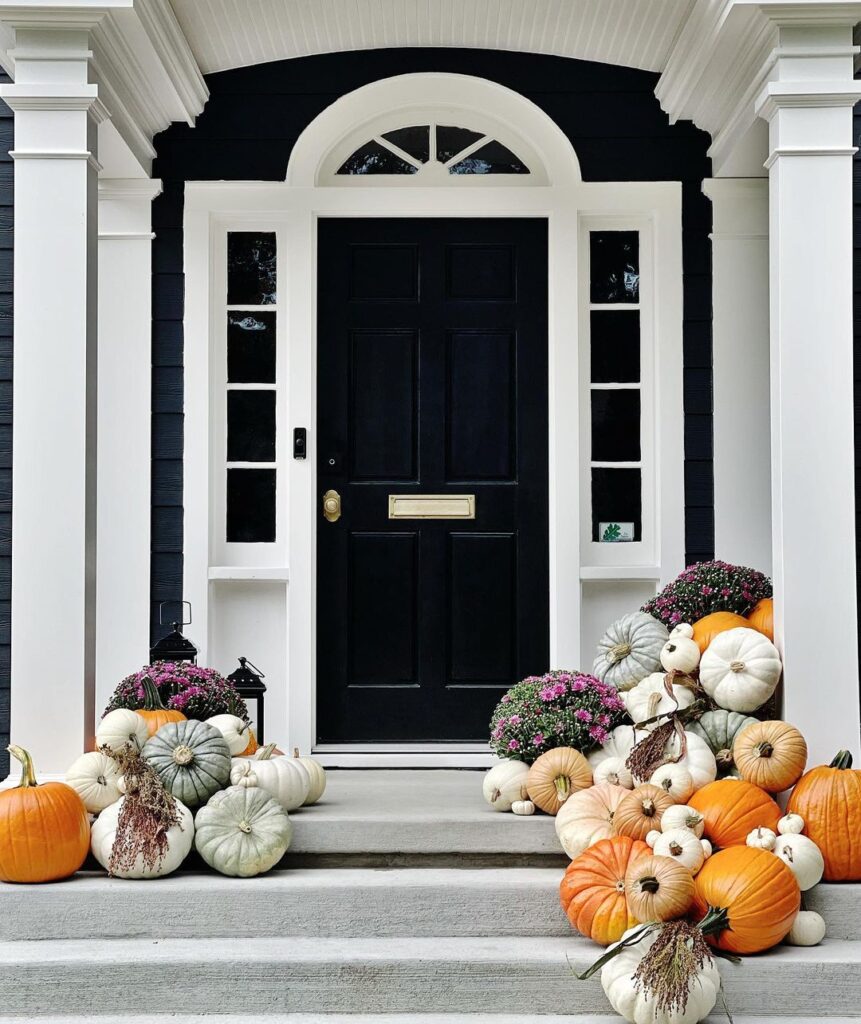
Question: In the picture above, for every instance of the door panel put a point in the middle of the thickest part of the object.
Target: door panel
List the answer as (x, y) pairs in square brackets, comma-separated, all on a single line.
[(432, 377)]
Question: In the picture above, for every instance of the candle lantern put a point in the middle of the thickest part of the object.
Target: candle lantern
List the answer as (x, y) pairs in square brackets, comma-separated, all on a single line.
[(174, 646), (248, 682)]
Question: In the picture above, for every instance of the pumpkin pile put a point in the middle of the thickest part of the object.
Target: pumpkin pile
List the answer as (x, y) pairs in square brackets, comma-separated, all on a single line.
[(157, 786)]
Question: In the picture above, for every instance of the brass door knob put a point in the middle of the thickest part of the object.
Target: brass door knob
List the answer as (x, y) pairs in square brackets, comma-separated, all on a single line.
[(332, 506)]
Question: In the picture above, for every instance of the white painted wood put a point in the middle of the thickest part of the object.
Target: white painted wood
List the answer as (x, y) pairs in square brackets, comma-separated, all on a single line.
[(125, 422), (808, 105), (740, 370)]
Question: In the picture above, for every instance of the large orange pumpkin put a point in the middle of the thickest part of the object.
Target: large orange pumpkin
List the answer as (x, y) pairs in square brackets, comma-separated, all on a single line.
[(708, 627), (154, 713), (761, 617), (592, 890), (732, 808), (748, 897), (828, 798), (771, 755), (44, 830)]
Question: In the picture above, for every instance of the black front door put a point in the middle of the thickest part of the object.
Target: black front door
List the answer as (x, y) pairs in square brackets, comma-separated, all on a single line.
[(432, 381)]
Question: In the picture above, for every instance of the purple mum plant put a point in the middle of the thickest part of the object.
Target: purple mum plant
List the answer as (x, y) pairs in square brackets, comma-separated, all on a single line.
[(197, 692), (559, 709), (707, 587)]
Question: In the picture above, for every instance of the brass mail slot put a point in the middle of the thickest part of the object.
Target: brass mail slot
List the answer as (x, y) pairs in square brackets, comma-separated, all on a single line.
[(431, 506)]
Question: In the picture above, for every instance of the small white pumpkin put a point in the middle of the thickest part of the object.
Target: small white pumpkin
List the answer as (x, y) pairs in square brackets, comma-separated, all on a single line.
[(242, 832), (614, 771), (523, 807), (803, 858), (317, 775), (683, 816), (790, 824), (740, 669), (652, 837), (808, 929), (122, 727), (650, 698), (630, 650), (708, 849), (761, 839), (505, 783), (680, 844), (94, 777), (674, 779), (236, 732), (698, 759), (681, 653), (283, 778), (179, 840)]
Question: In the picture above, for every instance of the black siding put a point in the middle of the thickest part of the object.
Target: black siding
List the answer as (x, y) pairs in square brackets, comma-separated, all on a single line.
[(6, 213)]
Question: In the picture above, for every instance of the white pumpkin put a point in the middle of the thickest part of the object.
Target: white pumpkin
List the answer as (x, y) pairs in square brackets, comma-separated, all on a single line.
[(505, 783), (652, 837), (761, 839), (94, 777), (317, 775), (630, 650), (708, 849), (681, 653), (675, 780), (808, 929), (242, 832), (699, 760), (683, 816), (121, 727), (235, 731), (650, 698), (790, 824), (614, 771), (803, 858), (523, 807), (587, 817), (682, 845), (283, 778), (618, 745), (179, 840), (637, 1006), (740, 669)]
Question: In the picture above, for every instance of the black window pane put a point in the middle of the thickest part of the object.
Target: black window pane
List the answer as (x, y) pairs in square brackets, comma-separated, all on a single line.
[(250, 506), (372, 158), (616, 501), (414, 140), (451, 140), (251, 348), (492, 158), (615, 426), (250, 426), (615, 346), (615, 266), (250, 268)]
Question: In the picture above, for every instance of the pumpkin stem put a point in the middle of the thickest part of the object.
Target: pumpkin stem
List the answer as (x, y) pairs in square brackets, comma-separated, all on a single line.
[(244, 827), (654, 701), (265, 753), (563, 788), (295, 751), (764, 749), (724, 758), (648, 808), (737, 666), (28, 775), (618, 652), (715, 921), (152, 698), (649, 884), (183, 754), (842, 760), (676, 850)]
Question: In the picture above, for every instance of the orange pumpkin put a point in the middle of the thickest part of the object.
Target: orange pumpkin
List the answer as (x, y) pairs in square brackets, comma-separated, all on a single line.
[(44, 830), (828, 798), (640, 811), (253, 745), (555, 776), (761, 617), (153, 712), (732, 809), (746, 899), (708, 627), (771, 755), (658, 888), (592, 890)]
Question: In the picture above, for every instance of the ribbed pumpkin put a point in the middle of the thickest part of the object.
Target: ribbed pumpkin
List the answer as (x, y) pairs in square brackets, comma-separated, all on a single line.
[(658, 888), (771, 755), (732, 809), (555, 776), (587, 817), (751, 893), (592, 890), (828, 798), (153, 712), (719, 729), (640, 811), (191, 758), (707, 628), (630, 650), (761, 617), (44, 830)]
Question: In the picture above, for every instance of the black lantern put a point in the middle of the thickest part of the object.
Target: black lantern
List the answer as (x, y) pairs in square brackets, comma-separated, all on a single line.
[(248, 682), (174, 646)]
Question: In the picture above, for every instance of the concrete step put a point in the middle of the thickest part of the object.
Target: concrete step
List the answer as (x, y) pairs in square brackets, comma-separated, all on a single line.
[(378, 976), (394, 1018)]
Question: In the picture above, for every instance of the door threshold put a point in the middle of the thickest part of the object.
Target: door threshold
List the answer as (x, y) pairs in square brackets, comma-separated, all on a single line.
[(404, 755)]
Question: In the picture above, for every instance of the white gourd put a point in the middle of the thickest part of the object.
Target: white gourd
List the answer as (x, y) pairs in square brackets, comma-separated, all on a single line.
[(235, 731), (708, 850), (179, 840), (242, 832), (650, 698), (740, 669), (682, 845), (94, 776), (283, 778), (614, 771), (790, 824), (523, 807), (652, 837), (638, 1007), (808, 929), (630, 650), (761, 839), (505, 783), (317, 775), (675, 780), (681, 653), (683, 816), (803, 858), (618, 745), (121, 727)]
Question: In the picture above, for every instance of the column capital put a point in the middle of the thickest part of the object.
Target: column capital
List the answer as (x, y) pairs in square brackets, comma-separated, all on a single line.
[(129, 188), (829, 93), (739, 207)]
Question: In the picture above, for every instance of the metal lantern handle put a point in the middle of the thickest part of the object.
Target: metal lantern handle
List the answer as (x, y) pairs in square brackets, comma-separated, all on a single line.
[(184, 622)]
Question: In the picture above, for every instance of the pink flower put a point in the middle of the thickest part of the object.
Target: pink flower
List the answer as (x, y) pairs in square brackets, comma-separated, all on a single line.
[(514, 720), (548, 693), (578, 686), (513, 745), (598, 734), (506, 699), (582, 715), (537, 739)]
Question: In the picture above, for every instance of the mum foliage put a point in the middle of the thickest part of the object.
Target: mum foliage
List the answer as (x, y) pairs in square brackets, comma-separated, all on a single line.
[(707, 587), (559, 709), (197, 692)]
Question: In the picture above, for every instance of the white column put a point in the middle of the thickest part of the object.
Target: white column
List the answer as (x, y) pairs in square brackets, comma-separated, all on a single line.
[(808, 105), (740, 368), (54, 447), (124, 406)]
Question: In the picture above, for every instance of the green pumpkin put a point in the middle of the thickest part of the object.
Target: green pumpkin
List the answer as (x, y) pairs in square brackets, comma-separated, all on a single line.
[(242, 832), (719, 729), (191, 758)]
